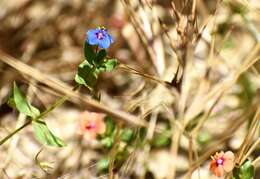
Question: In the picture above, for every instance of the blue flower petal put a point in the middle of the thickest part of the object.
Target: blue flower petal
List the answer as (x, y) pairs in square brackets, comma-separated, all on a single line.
[(110, 38), (104, 43), (91, 37), (92, 41)]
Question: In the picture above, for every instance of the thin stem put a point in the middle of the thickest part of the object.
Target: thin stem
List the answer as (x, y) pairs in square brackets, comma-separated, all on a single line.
[(14, 132), (113, 151), (134, 71)]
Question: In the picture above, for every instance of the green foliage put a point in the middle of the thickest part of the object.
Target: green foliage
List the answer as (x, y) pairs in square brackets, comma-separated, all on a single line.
[(41, 131), (121, 157), (223, 28), (106, 65), (203, 138), (19, 102), (92, 66), (101, 55), (246, 171), (44, 135), (89, 53), (194, 122), (110, 126), (238, 8), (107, 142), (141, 135), (86, 75), (127, 135), (162, 138), (103, 164), (107, 139)]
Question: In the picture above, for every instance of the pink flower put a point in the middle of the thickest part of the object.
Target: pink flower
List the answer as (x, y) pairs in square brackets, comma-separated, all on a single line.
[(222, 162), (91, 124)]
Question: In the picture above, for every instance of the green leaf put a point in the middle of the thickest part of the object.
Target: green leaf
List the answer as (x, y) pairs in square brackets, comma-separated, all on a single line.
[(45, 136), (101, 55), (203, 138), (103, 164), (106, 65), (161, 140), (89, 53), (86, 75), (18, 101), (127, 135), (107, 142), (110, 126), (121, 157), (246, 171)]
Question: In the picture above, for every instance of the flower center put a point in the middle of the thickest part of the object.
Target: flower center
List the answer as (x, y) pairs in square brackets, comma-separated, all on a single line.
[(220, 161), (90, 126), (100, 35)]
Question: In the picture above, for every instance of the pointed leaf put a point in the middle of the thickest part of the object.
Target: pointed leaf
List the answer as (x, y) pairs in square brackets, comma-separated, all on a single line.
[(18, 101), (45, 136)]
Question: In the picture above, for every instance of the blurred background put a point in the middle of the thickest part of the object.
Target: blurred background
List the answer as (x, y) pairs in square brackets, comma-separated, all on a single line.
[(205, 80)]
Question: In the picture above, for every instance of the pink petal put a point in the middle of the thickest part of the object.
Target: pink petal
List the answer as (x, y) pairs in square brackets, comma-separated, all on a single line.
[(229, 155), (228, 165), (101, 126)]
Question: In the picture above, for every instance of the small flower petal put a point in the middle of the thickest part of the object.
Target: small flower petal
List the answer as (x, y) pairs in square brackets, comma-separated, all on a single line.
[(91, 37), (101, 127), (213, 165), (104, 43), (219, 171), (229, 155), (228, 165)]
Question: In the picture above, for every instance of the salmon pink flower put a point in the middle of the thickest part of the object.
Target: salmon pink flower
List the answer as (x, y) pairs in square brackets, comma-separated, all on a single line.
[(222, 162), (91, 124)]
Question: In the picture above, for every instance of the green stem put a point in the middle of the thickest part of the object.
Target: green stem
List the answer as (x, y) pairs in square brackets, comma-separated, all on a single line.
[(43, 114), (14, 132)]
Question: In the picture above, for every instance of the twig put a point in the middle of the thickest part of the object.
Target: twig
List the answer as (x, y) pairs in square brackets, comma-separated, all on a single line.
[(65, 89)]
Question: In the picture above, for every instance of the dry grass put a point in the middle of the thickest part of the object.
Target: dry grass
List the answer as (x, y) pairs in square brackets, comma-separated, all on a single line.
[(192, 65)]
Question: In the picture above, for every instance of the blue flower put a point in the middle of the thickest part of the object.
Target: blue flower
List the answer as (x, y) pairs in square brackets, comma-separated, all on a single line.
[(99, 37)]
